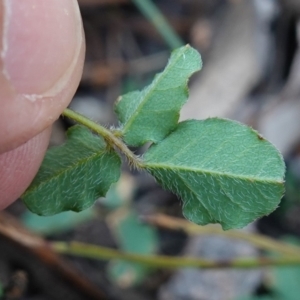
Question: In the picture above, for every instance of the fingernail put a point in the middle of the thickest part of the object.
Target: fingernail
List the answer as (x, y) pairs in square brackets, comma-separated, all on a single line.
[(41, 44)]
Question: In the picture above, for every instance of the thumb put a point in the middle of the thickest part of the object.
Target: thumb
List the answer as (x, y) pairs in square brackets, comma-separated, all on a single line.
[(41, 59)]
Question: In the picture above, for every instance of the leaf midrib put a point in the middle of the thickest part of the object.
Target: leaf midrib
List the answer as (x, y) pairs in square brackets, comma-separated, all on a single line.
[(163, 74), (173, 168), (64, 170)]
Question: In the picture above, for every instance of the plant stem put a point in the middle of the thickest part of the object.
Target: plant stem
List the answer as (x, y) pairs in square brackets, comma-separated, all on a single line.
[(109, 137), (258, 240), (153, 14), (160, 261)]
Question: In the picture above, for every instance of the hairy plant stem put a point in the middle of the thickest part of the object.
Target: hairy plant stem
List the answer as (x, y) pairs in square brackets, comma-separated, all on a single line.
[(160, 261), (112, 140)]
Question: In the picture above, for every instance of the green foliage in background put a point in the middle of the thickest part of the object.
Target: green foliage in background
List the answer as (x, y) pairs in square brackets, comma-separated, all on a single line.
[(58, 223), (133, 237), (224, 171)]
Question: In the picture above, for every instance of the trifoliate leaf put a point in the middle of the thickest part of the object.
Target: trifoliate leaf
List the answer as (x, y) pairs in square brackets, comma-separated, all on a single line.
[(151, 114), (73, 175), (225, 172)]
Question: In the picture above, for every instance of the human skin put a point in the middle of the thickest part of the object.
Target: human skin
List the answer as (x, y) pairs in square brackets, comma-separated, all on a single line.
[(41, 59)]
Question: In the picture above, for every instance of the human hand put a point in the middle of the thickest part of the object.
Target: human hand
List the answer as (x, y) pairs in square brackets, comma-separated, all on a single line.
[(41, 58)]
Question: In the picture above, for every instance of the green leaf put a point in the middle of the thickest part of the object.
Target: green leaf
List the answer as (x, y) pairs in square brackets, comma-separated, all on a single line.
[(151, 114), (225, 172), (132, 237), (58, 223), (285, 283), (264, 297), (73, 175)]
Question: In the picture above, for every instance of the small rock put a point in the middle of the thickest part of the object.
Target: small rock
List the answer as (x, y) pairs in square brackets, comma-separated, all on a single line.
[(197, 284)]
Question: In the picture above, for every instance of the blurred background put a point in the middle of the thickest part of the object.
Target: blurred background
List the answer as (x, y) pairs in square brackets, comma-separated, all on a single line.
[(251, 73)]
